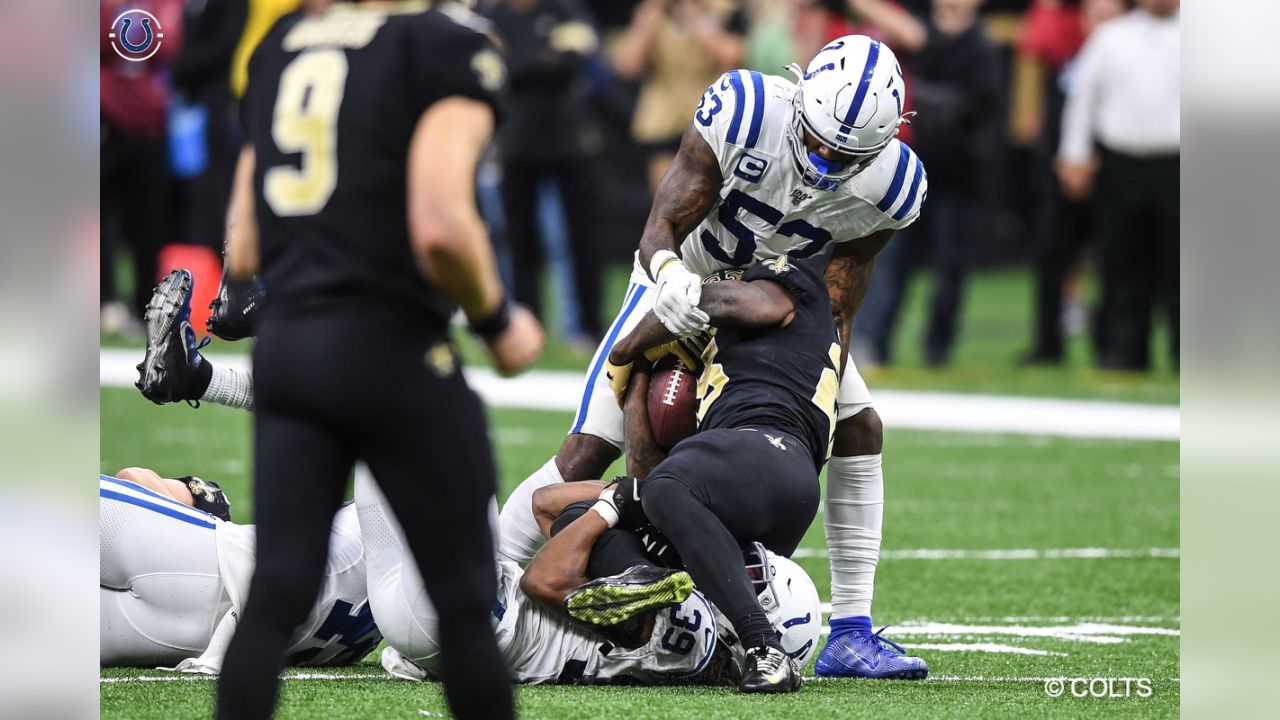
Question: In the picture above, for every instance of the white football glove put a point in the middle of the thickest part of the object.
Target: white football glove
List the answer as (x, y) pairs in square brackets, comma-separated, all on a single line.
[(676, 304)]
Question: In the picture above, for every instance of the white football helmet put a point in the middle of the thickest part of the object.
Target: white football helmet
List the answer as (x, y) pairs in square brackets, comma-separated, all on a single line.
[(789, 599), (850, 99)]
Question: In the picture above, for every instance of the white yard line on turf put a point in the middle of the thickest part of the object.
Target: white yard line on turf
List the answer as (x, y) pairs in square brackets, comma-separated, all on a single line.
[(552, 390), (179, 677), (1016, 554), (808, 678), (1085, 632)]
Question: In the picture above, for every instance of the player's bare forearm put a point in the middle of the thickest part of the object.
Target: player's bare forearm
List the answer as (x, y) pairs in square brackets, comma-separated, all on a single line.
[(550, 501), (561, 564), (240, 247), (643, 453), (848, 277), (684, 197)]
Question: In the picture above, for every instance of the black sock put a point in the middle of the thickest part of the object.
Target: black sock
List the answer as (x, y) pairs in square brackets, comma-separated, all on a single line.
[(199, 381)]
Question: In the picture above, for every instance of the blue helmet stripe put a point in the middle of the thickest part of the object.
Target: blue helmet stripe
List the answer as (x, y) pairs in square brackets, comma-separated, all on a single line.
[(899, 177), (757, 111), (740, 93), (911, 194), (873, 55)]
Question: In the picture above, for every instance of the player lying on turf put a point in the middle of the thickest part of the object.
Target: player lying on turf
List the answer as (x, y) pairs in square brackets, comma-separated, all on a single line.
[(772, 168), (766, 410), (542, 645), (175, 572)]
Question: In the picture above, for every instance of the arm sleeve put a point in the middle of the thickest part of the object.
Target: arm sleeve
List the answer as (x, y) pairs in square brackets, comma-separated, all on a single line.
[(450, 60), (1079, 112)]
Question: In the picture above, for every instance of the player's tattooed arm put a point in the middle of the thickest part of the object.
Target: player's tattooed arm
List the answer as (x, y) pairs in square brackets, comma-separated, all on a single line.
[(729, 303), (684, 196), (643, 453), (848, 276)]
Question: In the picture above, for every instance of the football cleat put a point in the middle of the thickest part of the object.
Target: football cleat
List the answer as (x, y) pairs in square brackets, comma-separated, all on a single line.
[(769, 670), (234, 310), (617, 598), (172, 356), (398, 666), (854, 651)]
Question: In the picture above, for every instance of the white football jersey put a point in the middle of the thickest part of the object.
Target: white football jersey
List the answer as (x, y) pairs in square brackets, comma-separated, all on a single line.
[(765, 210), (340, 628), (545, 647)]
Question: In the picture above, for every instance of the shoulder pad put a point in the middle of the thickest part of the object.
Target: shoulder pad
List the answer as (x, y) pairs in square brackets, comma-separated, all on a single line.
[(896, 183)]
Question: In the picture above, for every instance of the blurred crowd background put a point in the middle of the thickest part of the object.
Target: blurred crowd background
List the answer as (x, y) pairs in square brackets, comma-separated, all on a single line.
[(1050, 129)]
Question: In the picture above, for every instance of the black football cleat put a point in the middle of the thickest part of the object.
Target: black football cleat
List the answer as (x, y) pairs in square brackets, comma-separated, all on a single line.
[(769, 670), (617, 598), (235, 308), (166, 371)]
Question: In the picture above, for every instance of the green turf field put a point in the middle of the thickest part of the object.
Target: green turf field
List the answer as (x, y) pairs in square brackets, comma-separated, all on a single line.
[(992, 628), (994, 333)]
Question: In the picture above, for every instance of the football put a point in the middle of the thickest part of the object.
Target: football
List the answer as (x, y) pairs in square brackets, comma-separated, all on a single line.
[(673, 401)]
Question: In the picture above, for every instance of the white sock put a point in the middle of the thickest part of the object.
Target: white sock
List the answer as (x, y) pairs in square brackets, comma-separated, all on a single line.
[(854, 516), (230, 387), (518, 535)]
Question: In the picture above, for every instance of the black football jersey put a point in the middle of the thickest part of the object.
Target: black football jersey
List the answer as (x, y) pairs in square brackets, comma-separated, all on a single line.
[(331, 106), (782, 377)]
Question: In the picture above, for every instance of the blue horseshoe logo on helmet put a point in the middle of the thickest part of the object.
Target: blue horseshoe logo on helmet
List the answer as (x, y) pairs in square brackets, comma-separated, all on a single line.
[(125, 24)]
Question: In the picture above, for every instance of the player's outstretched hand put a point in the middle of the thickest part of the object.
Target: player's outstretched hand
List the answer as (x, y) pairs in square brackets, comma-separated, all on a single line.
[(520, 344), (676, 304)]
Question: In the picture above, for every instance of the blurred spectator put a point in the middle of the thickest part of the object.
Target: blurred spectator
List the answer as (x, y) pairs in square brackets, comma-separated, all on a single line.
[(956, 87), (1122, 124), (679, 47), (549, 133), (134, 103), (1052, 34), (202, 77)]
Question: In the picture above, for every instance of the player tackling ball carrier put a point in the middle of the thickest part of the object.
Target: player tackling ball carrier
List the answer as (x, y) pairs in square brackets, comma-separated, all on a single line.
[(769, 169)]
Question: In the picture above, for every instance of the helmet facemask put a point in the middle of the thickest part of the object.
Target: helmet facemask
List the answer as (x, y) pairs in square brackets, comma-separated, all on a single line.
[(815, 171)]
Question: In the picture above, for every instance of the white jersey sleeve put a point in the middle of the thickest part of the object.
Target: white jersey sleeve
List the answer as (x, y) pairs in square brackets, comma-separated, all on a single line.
[(897, 184), (731, 116)]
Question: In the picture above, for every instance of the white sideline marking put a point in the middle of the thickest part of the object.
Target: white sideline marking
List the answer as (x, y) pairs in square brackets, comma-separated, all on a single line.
[(985, 647), (179, 677), (1086, 632), (1017, 619), (1017, 554), (562, 390), (984, 679)]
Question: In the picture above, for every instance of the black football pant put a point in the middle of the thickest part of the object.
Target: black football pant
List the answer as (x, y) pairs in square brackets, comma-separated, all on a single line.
[(578, 194), (718, 492), (1137, 205), (364, 384)]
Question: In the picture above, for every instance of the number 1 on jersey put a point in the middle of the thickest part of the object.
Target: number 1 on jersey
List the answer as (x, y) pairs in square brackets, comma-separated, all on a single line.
[(305, 121)]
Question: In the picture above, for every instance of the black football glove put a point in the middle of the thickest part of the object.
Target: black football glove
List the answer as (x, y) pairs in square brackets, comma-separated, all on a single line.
[(208, 496), (236, 307), (624, 494)]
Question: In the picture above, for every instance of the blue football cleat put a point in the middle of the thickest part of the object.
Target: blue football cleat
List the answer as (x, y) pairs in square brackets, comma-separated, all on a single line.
[(854, 651)]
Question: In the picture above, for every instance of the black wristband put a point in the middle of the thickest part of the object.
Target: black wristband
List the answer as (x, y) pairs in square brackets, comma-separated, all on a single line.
[(494, 325)]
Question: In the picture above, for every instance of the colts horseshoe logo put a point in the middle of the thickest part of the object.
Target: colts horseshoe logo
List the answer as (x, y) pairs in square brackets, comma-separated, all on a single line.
[(135, 35)]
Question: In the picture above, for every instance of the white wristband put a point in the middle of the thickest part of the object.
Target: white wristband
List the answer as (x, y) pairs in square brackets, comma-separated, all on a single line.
[(606, 510), (660, 258)]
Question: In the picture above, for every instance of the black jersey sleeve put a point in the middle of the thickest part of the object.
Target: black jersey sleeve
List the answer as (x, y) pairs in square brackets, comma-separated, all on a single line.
[(799, 278), (451, 59)]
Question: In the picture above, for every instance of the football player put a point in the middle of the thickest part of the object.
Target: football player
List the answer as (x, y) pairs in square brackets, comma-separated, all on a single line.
[(767, 169), (540, 644), (175, 572)]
